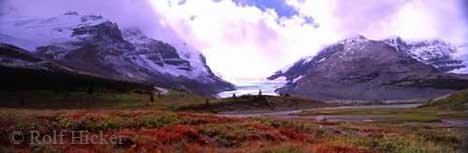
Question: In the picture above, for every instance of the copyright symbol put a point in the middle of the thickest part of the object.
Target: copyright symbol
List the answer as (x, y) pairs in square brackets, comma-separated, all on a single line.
[(16, 137)]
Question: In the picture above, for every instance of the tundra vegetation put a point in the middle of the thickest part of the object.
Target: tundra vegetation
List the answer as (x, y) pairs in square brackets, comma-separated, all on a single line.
[(162, 126)]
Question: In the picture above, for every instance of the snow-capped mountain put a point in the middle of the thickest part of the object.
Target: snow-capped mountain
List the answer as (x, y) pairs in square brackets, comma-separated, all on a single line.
[(436, 53), (31, 32), (362, 70), (21, 70), (93, 44), (13, 57), (167, 55)]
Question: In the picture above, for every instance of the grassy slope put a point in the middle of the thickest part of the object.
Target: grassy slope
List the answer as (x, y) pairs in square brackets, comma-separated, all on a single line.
[(39, 89), (394, 115), (145, 128), (20, 79), (162, 131), (255, 103), (457, 102), (451, 107), (46, 99)]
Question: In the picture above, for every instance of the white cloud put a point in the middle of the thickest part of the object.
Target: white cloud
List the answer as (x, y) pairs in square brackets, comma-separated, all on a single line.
[(240, 41), (410, 19), (246, 42)]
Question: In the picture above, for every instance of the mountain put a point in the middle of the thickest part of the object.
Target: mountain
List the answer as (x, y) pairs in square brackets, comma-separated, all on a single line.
[(362, 70), (22, 71), (95, 45), (436, 53)]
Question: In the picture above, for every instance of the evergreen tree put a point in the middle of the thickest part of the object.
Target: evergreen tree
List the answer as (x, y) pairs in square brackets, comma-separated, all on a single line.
[(90, 91)]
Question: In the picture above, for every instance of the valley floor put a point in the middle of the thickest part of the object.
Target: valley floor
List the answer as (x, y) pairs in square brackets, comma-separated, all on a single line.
[(181, 122), (165, 131)]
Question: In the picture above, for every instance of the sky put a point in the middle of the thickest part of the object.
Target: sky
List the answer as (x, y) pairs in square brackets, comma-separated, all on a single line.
[(254, 38)]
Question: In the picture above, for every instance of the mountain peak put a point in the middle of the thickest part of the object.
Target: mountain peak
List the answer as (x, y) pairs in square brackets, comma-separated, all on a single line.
[(354, 39), (436, 53), (71, 13), (392, 68), (95, 45), (33, 32)]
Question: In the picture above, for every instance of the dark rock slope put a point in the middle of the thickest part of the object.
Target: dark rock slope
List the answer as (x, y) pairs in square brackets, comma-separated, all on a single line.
[(95, 45), (23, 72), (362, 70)]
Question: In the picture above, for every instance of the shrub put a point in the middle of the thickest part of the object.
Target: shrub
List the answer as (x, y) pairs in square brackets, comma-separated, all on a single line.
[(284, 149), (160, 121)]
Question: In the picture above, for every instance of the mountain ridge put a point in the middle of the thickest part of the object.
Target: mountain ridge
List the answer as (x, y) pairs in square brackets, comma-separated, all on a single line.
[(95, 45), (359, 69)]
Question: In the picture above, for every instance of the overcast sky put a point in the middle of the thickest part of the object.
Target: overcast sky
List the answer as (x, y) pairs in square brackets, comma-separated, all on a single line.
[(254, 38)]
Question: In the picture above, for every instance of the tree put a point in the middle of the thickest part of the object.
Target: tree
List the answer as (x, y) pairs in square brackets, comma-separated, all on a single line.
[(207, 102), (151, 97), (90, 91), (22, 102)]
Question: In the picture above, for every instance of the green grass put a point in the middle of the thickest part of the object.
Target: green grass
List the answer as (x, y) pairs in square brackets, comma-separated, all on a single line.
[(387, 137), (416, 118), (451, 107), (254, 103), (394, 115), (47, 99), (225, 133), (258, 135), (284, 149), (457, 102), (424, 114)]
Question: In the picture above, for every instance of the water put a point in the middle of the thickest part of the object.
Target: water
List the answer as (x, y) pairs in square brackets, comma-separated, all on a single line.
[(252, 87)]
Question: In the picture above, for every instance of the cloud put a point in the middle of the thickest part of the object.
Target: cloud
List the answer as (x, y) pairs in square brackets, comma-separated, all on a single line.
[(411, 19), (261, 31), (240, 40), (126, 12), (254, 38), (279, 6)]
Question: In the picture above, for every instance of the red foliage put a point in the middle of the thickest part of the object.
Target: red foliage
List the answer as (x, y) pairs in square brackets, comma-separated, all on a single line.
[(88, 149), (174, 133), (263, 127), (197, 119), (294, 134), (373, 132), (326, 148), (290, 133)]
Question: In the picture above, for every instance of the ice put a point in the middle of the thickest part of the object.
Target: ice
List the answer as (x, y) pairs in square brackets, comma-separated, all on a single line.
[(253, 86), (30, 32)]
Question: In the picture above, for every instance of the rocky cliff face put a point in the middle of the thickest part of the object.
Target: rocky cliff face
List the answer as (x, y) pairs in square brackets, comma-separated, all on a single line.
[(362, 70), (436, 53), (14, 57), (97, 46), (22, 72)]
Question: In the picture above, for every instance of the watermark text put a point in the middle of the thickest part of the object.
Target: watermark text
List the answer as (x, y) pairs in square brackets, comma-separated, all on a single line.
[(63, 137)]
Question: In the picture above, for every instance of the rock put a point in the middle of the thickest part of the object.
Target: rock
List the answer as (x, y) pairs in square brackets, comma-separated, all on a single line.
[(436, 53), (97, 46), (360, 70)]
